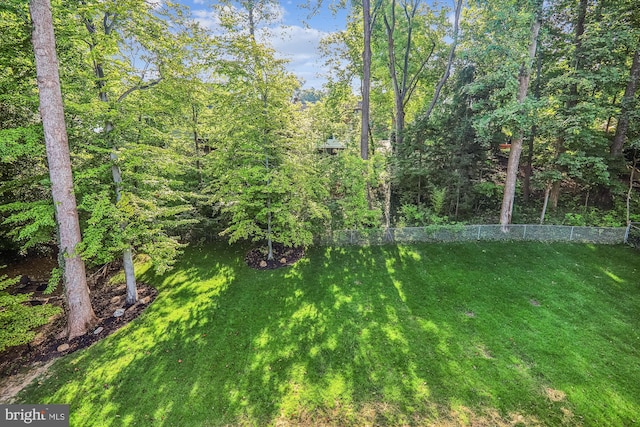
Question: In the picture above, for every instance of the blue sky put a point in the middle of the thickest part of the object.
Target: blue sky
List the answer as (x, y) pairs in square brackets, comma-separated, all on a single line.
[(294, 37)]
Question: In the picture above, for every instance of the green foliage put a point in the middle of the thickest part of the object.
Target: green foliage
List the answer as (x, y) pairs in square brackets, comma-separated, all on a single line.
[(438, 197), (420, 216), (32, 223), (21, 141), (348, 178), (411, 215), (105, 237), (594, 217), (18, 320)]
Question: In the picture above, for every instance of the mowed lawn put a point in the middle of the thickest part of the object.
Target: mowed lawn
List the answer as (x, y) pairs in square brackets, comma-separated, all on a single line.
[(433, 334)]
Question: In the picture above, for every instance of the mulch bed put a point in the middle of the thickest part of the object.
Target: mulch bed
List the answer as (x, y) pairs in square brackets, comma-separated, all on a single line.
[(282, 257), (105, 299)]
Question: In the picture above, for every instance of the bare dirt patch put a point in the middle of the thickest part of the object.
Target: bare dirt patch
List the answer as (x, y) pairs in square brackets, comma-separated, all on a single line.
[(19, 365), (555, 395), (282, 257), (12, 385)]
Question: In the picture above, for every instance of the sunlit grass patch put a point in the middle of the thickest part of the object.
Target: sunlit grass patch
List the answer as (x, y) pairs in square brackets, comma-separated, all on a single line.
[(458, 334)]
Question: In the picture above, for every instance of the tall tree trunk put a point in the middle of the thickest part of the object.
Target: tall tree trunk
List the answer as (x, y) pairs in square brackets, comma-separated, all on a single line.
[(196, 141), (127, 254), (252, 23), (516, 144), (270, 256), (555, 194), (390, 25), (80, 313), (628, 101), (572, 100), (366, 80), (447, 71), (528, 170), (630, 191), (545, 204)]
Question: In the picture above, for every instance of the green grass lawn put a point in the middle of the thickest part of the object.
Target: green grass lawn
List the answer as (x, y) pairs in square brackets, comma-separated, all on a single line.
[(445, 334)]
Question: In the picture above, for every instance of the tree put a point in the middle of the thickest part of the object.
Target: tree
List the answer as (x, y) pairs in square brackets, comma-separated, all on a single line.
[(134, 48), (628, 105), (572, 98), (516, 144), (80, 313), (260, 170), (403, 82)]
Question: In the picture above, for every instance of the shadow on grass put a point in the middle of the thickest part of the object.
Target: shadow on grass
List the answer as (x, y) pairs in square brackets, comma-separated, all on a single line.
[(380, 335)]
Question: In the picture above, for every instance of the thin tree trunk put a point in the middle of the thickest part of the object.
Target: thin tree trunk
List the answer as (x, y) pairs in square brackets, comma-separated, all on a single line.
[(633, 171), (608, 125), (390, 26), (516, 145), (447, 71), (194, 111), (627, 106), (586, 201), (269, 217), (366, 81), (528, 170), (555, 194), (127, 257), (572, 100), (79, 310), (545, 204)]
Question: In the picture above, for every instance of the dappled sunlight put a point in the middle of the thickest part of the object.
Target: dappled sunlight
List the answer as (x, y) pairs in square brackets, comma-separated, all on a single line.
[(398, 287), (408, 253), (370, 339), (613, 276)]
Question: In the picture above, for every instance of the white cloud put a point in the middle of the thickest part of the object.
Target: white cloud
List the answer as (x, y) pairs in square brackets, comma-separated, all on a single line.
[(206, 18), (299, 45), (198, 1), (155, 4)]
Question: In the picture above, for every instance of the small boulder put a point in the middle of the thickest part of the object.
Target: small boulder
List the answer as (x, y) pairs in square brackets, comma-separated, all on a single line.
[(63, 347), (283, 260), (145, 300), (263, 264), (24, 282), (98, 330), (119, 312)]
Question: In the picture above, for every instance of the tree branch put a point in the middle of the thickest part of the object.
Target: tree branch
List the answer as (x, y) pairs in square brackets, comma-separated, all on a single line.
[(447, 71), (414, 81), (139, 87)]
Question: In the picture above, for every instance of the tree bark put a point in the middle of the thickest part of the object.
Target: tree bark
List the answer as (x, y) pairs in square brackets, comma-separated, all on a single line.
[(627, 106), (629, 192), (545, 204), (572, 101), (528, 170), (127, 254), (80, 315), (366, 80), (516, 144), (447, 71), (402, 87)]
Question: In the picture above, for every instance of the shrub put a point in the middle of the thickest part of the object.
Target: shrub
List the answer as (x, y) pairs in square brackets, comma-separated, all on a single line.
[(17, 319)]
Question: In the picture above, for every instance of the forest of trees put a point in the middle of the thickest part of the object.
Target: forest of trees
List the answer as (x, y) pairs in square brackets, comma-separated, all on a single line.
[(479, 112)]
